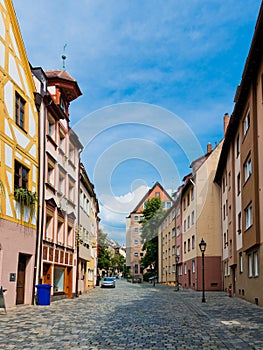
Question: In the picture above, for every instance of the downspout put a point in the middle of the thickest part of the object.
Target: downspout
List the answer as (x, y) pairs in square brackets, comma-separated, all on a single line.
[(38, 249)]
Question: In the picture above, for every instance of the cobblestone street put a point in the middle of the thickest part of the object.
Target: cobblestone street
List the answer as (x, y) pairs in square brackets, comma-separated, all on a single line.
[(135, 316)]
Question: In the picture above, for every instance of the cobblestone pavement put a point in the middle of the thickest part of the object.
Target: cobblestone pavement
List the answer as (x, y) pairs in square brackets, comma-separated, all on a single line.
[(133, 317)]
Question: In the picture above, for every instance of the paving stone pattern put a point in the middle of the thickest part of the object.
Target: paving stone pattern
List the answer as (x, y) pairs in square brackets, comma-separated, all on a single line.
[(133, 317)]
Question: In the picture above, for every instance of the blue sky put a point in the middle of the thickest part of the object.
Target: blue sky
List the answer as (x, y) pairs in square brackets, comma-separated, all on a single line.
[(153, 73)]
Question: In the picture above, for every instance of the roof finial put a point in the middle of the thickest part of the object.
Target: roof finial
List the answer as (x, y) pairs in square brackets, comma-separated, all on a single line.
[(64, 57)]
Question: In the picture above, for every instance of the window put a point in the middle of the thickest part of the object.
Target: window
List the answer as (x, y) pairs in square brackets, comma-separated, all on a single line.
[(184, 225), (136, 241), (238, 184), (193, 242), (188, 199), (188, 244), (173, 232), (21, 176), (184, 247), (20, 111), (136, 254), (188, 221), (61, 183), (168, 205), (62, 140), (136, 229), (246, 123), (193, 266), (173, 249), (49, 226), (136, 269), (70, 236), (157, 194), (71, 191), (224, 211), (60, 232), (193, 217), (178, 212), (237, 146), (239, 223), (185, 268), (51, 127), (178, 230), (240, 262), (255, 258), (136, 217), (248, 216), (247, 168), (50, 171), (250, 266)]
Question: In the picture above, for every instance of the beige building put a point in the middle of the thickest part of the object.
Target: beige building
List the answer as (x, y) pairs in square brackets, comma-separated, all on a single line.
[(239, 176), (170, 244), (134, 243), (194, 216), (87, 234)]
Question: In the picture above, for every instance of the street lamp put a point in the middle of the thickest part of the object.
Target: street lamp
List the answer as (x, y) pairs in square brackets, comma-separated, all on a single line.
[(202, 246), (177, 257)]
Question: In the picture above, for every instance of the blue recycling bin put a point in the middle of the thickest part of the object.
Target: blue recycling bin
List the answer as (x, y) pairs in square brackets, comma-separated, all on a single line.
[(43, 294)]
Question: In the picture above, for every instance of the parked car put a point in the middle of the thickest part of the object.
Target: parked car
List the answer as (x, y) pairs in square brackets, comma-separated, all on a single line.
[(108, 282)]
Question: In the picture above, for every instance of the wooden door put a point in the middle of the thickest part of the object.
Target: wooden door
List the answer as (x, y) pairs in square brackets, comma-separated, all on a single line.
[(21, 277)]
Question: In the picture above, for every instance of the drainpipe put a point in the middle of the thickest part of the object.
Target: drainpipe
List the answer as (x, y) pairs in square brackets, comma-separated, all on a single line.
[(41, 165)]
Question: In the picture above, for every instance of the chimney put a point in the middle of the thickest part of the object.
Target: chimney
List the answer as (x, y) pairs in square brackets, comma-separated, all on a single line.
[(226, 122), (209, 148)]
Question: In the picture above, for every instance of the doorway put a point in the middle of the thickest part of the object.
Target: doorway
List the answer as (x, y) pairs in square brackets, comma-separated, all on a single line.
[(21, 278)]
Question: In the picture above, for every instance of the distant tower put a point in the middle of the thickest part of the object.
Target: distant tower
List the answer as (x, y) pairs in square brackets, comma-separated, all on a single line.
[(64, 57)]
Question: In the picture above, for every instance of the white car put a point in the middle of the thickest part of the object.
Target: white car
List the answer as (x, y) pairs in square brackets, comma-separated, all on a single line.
[(108, 282)]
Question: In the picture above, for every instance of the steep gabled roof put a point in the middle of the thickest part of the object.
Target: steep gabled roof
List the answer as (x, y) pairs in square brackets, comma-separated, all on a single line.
[(149, 193)]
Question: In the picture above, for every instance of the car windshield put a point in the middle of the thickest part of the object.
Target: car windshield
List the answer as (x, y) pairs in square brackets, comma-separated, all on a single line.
[(108, 279)]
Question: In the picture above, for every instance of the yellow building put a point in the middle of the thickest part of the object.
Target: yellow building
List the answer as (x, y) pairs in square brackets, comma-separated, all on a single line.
[(18, 163)]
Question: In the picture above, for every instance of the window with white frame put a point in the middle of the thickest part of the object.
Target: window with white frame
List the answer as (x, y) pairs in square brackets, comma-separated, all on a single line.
[(185, 268), (50, 172), (178, 230), (248, 216), (250, 265), (247, 168), (240, 262), (255, 259), (173, 232), (246, 123), (193, 266)]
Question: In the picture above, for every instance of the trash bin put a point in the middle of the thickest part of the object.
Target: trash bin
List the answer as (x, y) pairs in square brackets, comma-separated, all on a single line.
[(43, 294)]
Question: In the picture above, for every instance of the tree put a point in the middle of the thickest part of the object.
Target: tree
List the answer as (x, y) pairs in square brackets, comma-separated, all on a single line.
[(153, 214), (104, 257)]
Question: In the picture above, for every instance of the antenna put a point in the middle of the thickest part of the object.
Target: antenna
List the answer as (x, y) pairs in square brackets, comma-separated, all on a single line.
[(64, 57)]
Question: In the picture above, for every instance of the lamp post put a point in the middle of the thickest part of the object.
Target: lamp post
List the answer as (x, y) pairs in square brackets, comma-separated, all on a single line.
[(177, 257), (202, 246)]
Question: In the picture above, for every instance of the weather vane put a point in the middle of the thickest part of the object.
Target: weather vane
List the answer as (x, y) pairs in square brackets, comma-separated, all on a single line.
[(64, 57)]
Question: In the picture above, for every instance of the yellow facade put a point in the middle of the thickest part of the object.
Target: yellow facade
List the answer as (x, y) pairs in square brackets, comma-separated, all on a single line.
[(18, 138)]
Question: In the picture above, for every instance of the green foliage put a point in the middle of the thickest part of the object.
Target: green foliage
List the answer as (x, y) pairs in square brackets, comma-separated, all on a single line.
[(25, 198), (153, 214)]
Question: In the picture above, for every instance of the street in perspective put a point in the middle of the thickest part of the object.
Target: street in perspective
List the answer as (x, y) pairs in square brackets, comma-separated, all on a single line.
[(135, 316)]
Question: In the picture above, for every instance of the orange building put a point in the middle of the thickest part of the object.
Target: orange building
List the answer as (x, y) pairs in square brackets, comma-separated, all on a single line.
[(134, 244)]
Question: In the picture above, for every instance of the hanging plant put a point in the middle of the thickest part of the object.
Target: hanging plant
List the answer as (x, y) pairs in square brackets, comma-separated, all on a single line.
[(25, 198)]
